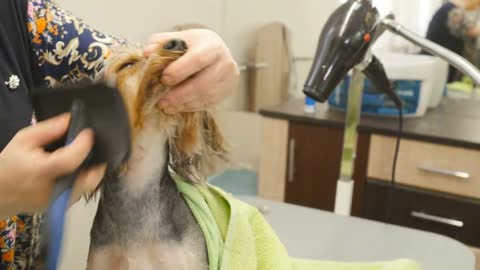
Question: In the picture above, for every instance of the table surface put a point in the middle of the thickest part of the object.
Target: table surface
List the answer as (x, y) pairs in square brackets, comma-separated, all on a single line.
[(455, 122), (315, 234)]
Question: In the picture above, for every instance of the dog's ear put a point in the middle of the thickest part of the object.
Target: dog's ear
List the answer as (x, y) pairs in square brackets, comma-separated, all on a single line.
[(198, 148)]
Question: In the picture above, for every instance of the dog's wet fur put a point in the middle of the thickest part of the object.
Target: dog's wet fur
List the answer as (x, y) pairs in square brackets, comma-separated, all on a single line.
[(142, 221)]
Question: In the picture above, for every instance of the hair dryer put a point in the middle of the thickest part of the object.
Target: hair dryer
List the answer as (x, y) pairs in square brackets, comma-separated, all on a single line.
[(344, 44)]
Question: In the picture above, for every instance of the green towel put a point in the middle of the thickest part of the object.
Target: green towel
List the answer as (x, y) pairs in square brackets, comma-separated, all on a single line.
[(239, 238)]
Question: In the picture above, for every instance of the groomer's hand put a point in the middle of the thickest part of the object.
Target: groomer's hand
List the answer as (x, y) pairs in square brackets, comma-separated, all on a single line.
[(204, 76), (28, 173)]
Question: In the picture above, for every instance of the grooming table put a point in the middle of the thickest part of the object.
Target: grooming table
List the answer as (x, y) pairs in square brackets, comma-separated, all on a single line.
[(314, 234)]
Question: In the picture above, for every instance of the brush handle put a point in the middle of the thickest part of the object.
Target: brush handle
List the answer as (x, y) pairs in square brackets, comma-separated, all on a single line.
[(63, 190), (56, 225), (78, 122)]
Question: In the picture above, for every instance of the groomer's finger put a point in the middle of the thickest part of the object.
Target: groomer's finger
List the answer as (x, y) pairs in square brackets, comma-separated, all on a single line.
[(156, 40), (189, 64), (67, 159), (176, 99), (203, 51), (87, 182), (180, 95), (194, 94), (45, 132)]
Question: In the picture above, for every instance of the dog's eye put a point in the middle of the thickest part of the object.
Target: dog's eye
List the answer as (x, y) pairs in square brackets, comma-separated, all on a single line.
[(126, 65)]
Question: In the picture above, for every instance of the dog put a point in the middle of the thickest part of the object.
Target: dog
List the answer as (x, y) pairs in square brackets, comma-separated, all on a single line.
[(142, 221)]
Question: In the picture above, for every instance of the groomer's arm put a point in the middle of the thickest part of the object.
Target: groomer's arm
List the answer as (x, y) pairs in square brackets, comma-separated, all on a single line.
[(28, 173), (66, 48)]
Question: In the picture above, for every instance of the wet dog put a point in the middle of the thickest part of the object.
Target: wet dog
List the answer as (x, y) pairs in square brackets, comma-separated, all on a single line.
[(142, 221)]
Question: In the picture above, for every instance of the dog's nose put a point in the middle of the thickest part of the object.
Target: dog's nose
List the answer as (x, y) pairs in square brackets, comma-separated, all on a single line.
[(176, 45)]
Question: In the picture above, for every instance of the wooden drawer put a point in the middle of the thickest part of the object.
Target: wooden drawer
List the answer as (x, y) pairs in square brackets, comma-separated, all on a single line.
[(431, 166), (444, 214)]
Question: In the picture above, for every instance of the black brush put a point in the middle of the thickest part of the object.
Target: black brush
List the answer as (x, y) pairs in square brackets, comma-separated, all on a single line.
[(95, 106)]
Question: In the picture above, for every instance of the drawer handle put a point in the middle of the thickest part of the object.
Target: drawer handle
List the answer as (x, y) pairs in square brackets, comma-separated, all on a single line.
[(457, 174), (442, 220), (291, 161)]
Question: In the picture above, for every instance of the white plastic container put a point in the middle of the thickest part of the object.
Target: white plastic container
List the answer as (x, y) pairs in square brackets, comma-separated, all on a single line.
[(419, 80), (430, 70), (440, 82)]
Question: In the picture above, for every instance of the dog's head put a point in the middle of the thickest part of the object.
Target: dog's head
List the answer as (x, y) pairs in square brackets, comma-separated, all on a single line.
[(195, 142)]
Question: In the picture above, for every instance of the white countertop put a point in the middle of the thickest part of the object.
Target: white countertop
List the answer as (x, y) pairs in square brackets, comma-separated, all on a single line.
[(313, 234)]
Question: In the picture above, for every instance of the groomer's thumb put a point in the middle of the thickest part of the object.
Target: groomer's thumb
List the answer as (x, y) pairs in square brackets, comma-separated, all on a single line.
[(158, 39), (68, 158), (45, 132)]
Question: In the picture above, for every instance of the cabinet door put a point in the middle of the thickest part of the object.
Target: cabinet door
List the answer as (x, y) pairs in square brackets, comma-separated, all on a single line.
[(314, 155), (452, 216)]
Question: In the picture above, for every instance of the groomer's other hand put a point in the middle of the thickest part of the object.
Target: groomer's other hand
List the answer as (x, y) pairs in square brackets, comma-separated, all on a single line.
[(204, 76), (28, 173)]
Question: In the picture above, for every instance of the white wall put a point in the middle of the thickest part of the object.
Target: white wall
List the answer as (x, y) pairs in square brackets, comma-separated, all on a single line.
[(136, 20), (234, 20), (413, 14), (303, 18)]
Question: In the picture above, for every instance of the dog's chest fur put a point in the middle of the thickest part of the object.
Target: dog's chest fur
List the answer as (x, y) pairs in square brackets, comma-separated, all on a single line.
[(142, 221)]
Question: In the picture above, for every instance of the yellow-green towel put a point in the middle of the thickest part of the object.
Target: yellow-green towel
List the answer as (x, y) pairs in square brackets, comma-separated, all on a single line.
[(239, 238)]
